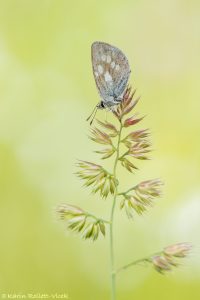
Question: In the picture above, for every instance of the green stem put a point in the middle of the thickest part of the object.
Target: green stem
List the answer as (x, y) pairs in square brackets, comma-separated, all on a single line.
[(124, 154), (145, 259), (129, 190), (96, 218), (112, 260)]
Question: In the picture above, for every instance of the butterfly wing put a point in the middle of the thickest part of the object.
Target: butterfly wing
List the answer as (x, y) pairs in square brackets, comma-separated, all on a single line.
[(111, 71)]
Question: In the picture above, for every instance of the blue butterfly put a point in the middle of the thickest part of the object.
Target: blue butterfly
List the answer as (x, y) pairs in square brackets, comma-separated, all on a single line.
[(111, 72)]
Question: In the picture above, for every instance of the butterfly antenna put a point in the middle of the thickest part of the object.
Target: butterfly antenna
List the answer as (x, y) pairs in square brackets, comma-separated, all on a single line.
[(93, 113), (93, 116)]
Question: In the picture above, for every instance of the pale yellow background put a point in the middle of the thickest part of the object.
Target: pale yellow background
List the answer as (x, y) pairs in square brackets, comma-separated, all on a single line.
[(46, 92)]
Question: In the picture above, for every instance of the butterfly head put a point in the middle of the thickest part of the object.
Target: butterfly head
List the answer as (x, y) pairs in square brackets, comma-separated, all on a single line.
[(101, 105)]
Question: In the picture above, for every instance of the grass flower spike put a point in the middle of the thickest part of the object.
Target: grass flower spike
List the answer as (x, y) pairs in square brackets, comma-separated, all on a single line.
[(178, 250), (140, 197), (168, 258), (79, 220), (96, 176)]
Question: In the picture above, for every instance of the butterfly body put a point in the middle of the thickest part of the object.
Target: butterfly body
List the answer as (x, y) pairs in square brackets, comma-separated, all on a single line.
[(111, 72)]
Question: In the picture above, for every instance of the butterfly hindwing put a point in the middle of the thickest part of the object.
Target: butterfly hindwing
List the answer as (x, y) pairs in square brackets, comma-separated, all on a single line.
[(111, 71)]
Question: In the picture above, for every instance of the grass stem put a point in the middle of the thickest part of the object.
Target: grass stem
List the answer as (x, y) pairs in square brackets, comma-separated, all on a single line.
[(112, 259)]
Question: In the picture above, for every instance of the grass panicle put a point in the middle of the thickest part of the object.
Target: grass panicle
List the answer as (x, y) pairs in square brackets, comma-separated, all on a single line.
[(136, 200)]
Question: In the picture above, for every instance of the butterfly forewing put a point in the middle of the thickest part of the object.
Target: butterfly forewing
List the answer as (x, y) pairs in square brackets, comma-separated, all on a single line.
[(111, 71)]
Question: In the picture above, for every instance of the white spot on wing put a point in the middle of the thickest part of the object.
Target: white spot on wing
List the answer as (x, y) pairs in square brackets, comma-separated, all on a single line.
[(117, 67), (108, 59), (112, 64), (103, 57), (107, 76), (100, 69), (96, 74), (111, 98)]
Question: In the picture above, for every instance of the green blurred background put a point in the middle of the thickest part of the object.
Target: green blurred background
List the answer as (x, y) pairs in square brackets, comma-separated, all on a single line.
[(46, 92)]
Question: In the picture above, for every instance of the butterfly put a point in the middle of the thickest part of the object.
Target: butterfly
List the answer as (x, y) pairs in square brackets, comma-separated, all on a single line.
[(111, 71)]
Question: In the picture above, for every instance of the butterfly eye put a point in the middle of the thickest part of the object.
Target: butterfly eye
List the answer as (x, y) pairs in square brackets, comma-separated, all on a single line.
[(102, 105)]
